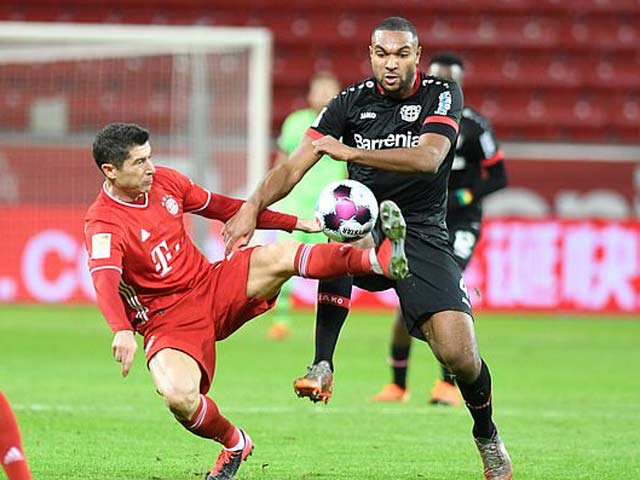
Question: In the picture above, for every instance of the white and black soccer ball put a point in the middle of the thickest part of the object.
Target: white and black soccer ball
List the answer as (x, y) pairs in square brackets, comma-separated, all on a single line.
[(346, 210)]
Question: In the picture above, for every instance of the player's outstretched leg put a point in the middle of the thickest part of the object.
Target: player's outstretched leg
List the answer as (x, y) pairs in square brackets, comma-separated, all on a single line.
[(391, 261), (11, 454)]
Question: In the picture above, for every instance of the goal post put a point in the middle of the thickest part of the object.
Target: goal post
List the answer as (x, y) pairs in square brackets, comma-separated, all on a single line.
[(204, 93)]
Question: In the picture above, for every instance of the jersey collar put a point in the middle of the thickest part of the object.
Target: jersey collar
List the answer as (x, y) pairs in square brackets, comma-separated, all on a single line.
[(126, 204), (416, 84)]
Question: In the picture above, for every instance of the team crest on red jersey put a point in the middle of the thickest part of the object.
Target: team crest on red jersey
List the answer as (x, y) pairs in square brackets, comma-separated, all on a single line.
[(170, 204)]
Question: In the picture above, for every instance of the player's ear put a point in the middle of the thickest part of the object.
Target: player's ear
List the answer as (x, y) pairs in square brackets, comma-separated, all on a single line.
[(418, 53), (109, 170)]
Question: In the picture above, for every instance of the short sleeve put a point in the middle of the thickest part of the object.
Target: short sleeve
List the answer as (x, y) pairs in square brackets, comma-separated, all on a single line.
[(443, 115), (194, 197), (489, 148), (332, 118), (105, 244)]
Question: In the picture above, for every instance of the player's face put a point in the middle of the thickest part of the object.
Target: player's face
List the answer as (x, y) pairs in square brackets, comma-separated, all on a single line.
[(135, 175), (448, 72), (394, 58), (321, 91)]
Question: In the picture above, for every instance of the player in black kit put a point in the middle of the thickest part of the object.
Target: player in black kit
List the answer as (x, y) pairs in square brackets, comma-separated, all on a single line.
[(398, 130), (477, 171)]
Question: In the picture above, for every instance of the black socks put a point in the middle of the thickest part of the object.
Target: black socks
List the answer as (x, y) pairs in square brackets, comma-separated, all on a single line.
[(477, 396), (334, 300)]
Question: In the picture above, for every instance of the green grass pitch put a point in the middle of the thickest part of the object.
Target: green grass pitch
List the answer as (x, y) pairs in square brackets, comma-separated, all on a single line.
[(566, 400)]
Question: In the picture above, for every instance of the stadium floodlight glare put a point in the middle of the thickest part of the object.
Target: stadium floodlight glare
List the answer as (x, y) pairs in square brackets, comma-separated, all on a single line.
[(204, 92)]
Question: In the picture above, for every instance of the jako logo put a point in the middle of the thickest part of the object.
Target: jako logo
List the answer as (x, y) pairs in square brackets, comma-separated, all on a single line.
[(397, 140), (368, 115)]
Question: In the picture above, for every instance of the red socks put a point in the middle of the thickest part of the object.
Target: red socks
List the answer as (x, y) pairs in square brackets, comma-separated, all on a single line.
[(331, 260), (11, 453), (207, 422)]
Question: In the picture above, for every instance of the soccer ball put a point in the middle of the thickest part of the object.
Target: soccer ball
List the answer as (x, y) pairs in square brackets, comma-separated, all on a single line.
[(346, 210)]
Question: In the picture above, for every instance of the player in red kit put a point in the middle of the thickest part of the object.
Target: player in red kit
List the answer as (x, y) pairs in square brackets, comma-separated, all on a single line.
[(12, 456), (149, 277)]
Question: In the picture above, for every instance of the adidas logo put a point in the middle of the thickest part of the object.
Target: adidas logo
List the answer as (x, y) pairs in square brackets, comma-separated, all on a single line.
[(13, 455), (144, 235)]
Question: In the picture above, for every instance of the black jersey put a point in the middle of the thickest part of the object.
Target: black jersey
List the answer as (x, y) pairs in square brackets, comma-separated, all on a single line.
[(476, 148), (366, 118)]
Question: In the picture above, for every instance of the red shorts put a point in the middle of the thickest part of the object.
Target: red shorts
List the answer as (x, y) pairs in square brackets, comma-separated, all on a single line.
[(215, 308)]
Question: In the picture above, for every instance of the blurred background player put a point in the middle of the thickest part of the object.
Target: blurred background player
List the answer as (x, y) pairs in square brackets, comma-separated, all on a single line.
[(323, 86), (11, 452), (478, 170)]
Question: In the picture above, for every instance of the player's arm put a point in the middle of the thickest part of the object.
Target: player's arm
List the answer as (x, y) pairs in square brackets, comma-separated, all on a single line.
[(425, 158), (281, 179), (486, 149), (438, 133), (124, 345), (220, 207), (104, 245)]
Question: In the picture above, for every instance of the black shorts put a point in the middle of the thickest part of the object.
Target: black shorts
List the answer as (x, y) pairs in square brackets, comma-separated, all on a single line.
[(463, 237), (434, 283)]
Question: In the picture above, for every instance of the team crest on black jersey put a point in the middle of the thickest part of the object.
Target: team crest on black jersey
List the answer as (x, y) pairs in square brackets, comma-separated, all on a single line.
[(410, 113), (170, 204)]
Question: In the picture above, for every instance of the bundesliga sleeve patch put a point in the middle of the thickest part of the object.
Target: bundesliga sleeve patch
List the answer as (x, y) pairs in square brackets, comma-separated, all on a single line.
[(100, 246)]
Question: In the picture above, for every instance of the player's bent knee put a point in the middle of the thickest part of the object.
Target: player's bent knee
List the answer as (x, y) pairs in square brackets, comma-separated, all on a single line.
[(280, 255), (182, 400), (463, 362)]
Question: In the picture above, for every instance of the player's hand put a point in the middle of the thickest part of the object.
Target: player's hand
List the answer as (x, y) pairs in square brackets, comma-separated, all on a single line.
[(238, 230), (328, 145), (309, 226), (124, 348)]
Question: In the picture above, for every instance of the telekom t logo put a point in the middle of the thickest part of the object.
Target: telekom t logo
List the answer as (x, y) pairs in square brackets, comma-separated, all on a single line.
[(161, 256)]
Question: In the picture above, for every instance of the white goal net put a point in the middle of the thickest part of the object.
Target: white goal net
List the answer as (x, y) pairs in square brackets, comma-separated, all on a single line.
[(204, 94)]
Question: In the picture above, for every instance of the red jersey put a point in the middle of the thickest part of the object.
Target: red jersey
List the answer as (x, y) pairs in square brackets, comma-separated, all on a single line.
[(148, 244)]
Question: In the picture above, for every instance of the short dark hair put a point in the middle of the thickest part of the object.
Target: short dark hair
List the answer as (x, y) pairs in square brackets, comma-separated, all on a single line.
[(447, 58), (113, 142), (396, 24)]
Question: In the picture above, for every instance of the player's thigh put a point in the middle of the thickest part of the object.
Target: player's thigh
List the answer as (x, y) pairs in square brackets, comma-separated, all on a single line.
[(451, 335), (434, 284), (269, 267), (175, 374)]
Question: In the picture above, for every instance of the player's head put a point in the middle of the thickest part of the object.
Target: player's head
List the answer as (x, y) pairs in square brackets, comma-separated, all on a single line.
[(123, 154), (447, 65), (323, 86), (395, 53)]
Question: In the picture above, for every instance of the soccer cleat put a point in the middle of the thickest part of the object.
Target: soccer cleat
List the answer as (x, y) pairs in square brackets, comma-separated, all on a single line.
[(317, 384), (228, 462), (392, 393), (497, 464), (443, 393), (278, 331), (390, 254)]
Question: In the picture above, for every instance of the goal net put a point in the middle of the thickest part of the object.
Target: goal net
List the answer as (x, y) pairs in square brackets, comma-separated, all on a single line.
[(204, 94)]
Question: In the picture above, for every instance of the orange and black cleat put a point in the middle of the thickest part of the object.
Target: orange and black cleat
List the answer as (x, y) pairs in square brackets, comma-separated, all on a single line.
[(317, 384), (391, 393), (228, 462), (443, 393)]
